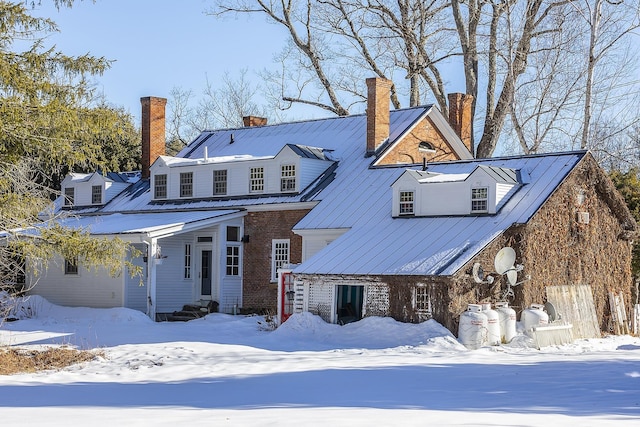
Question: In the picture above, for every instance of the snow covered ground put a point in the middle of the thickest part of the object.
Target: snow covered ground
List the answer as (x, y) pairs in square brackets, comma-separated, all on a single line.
[(227, 370)]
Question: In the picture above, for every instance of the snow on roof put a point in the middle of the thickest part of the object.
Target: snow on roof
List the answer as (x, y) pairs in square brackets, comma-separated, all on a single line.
[(139, 223), (378, 244)]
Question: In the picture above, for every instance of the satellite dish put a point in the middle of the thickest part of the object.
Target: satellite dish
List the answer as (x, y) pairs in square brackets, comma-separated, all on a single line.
[(551, 311), (478, 274), (505, 258)]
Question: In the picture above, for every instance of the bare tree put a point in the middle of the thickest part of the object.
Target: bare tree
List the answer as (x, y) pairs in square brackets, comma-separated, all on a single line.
[(520, 59), (221, 106)]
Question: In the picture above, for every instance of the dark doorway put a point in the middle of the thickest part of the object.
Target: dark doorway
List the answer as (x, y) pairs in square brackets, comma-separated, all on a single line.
[(349, 303)]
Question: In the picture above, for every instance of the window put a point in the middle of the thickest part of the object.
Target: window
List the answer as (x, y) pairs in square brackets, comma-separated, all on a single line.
[(205, 239), (71, 266), (233, 260), (279, 256), (69, 196), (187, 261), (96, 194), (406, 203), (479, 199), (186, 184), (288, 178), (233, 234), (422, 302), (256, 180), (160, 187), (219, 182)]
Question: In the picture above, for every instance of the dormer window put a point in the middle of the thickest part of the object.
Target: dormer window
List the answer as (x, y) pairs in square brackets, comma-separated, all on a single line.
[(406, 202), (69, 196), (288, 178), (256, 180), (160, 186), (479, 199), (186, 184), (220, 182), (96, 194)]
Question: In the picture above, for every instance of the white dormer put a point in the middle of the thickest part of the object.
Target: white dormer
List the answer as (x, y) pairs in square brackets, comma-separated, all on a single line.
[(290, 171), (85, 189), (424, 193), (94, 189)]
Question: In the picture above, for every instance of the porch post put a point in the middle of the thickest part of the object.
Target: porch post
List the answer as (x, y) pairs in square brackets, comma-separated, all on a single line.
[(152, 249)]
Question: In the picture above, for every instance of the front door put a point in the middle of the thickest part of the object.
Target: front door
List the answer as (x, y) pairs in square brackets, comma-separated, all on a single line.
[(205, 273)]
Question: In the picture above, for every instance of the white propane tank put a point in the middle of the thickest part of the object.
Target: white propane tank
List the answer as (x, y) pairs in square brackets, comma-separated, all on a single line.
[(507, 317), (493, 324), (534, 316), (472, 330)]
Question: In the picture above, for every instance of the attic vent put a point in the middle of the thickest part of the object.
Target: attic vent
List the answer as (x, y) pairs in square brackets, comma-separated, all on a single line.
[(426, 147), (583, 217)]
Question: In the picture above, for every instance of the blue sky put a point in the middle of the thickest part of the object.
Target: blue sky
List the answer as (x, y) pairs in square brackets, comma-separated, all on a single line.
[(161, 44)]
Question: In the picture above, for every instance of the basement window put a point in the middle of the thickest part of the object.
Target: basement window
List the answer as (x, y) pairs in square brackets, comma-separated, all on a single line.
[(479, 200)]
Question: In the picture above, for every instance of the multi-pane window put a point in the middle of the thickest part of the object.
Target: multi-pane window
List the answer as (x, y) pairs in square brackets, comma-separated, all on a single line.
[(69, 196), (220, 182), (479, 199), (233, 260), (279, 256), (71, 266), (96, 194), (406, 203), (187, 261), (256, 180), (186, 184), (160, 186), (422, 301), (288, 178), (233, 251)]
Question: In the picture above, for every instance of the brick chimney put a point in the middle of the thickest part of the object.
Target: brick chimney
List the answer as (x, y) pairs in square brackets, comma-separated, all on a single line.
[(153, 131), (460, 118), (250, 121), (378, 101)]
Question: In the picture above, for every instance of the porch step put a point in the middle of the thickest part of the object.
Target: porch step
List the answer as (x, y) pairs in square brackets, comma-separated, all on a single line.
[(190, 312)]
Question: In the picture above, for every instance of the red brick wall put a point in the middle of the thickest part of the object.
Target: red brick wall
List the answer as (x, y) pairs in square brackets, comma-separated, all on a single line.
[(153, 131), (406, 151), (262, 227)]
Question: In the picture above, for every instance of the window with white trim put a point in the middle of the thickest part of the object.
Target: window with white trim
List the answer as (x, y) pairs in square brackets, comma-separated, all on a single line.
[(96, 194), (288, 178), (280, 249), (186, 184), (69, 196), (479, 199), (406, 203), (187, 260), (256, 180), (233, 260), (220, 182), (160, 186)]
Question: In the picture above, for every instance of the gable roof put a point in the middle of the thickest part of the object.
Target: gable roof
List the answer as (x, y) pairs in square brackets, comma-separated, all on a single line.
[(377, 244)]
